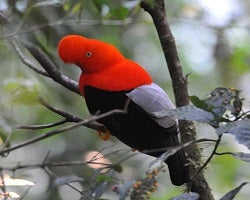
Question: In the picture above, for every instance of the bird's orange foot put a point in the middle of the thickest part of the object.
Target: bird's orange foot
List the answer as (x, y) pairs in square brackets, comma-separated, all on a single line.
[(104, 135)]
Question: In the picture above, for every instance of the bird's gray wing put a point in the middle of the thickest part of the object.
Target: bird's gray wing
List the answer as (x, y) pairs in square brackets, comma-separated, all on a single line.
[(152, 98)]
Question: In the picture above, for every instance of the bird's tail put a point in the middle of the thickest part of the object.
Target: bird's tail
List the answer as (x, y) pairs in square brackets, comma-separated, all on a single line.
[(177, 164)]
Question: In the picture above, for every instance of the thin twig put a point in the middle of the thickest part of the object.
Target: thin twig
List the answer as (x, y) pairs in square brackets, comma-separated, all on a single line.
[(25, 193), (46, 169), (51, 68), (49, 172), (61, 164), (173, 148), (6, 141), (25, 60), (58, 131), (67, 116), (205, 140), (124, 159), (43, 126), (72, 118), (224, 153), (66, 22), (212, 154), (2, 185), (44, 164)]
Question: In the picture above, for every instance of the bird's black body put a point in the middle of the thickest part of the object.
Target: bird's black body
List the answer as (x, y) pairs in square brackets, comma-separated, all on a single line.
[(137, 129)]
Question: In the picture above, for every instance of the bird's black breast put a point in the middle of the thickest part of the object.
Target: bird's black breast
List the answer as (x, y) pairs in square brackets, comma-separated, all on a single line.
[(136, 128)]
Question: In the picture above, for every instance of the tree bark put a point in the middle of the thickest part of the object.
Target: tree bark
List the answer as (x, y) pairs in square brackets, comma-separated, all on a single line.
[(156, 9)]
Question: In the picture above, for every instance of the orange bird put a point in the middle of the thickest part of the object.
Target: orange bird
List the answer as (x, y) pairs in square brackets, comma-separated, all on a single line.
[(108, 80)]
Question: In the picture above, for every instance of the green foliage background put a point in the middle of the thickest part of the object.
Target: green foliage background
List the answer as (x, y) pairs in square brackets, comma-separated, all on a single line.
[(212, 55)]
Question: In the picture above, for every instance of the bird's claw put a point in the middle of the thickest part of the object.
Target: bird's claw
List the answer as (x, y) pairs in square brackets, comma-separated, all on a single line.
[(104, 135)]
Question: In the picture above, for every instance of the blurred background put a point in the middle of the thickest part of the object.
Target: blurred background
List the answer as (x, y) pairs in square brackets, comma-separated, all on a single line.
[(212, 38)]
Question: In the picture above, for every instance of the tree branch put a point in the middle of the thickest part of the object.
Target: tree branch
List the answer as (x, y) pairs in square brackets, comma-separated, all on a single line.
[(94, 160), (51, 72), (179, 81), (72, 118), (25, 60), (67, 118), (51, 69), (212, 154), (43, 126), (70, 22), (64, 129), (157, 11)]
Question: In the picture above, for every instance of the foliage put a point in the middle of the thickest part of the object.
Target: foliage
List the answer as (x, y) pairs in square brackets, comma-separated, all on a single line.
[(56, 168)]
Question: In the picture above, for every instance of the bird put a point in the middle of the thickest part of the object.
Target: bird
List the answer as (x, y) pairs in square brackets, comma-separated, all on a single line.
[(109, 81)]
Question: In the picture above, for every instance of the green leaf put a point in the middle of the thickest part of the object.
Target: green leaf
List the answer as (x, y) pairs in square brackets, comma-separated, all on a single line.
[(11, 86), (117, 168), (29, 97), (5, 131), (3, 138), (239, 60), (99, 4), (198, 102), (77, 8), (103, 177), (21, 91), (118, 13), (66, 6)]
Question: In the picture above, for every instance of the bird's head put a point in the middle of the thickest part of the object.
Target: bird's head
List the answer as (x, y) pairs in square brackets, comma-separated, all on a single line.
[(90, 55)]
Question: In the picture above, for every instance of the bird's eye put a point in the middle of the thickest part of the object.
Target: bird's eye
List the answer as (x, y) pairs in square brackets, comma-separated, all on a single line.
[(88, 54)]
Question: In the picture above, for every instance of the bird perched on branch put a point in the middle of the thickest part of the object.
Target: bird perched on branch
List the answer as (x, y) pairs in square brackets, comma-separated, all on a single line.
[(107, 82)]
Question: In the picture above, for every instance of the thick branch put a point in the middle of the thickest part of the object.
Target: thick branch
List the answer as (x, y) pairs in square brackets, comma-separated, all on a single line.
[(179, 81), (157, 11)]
